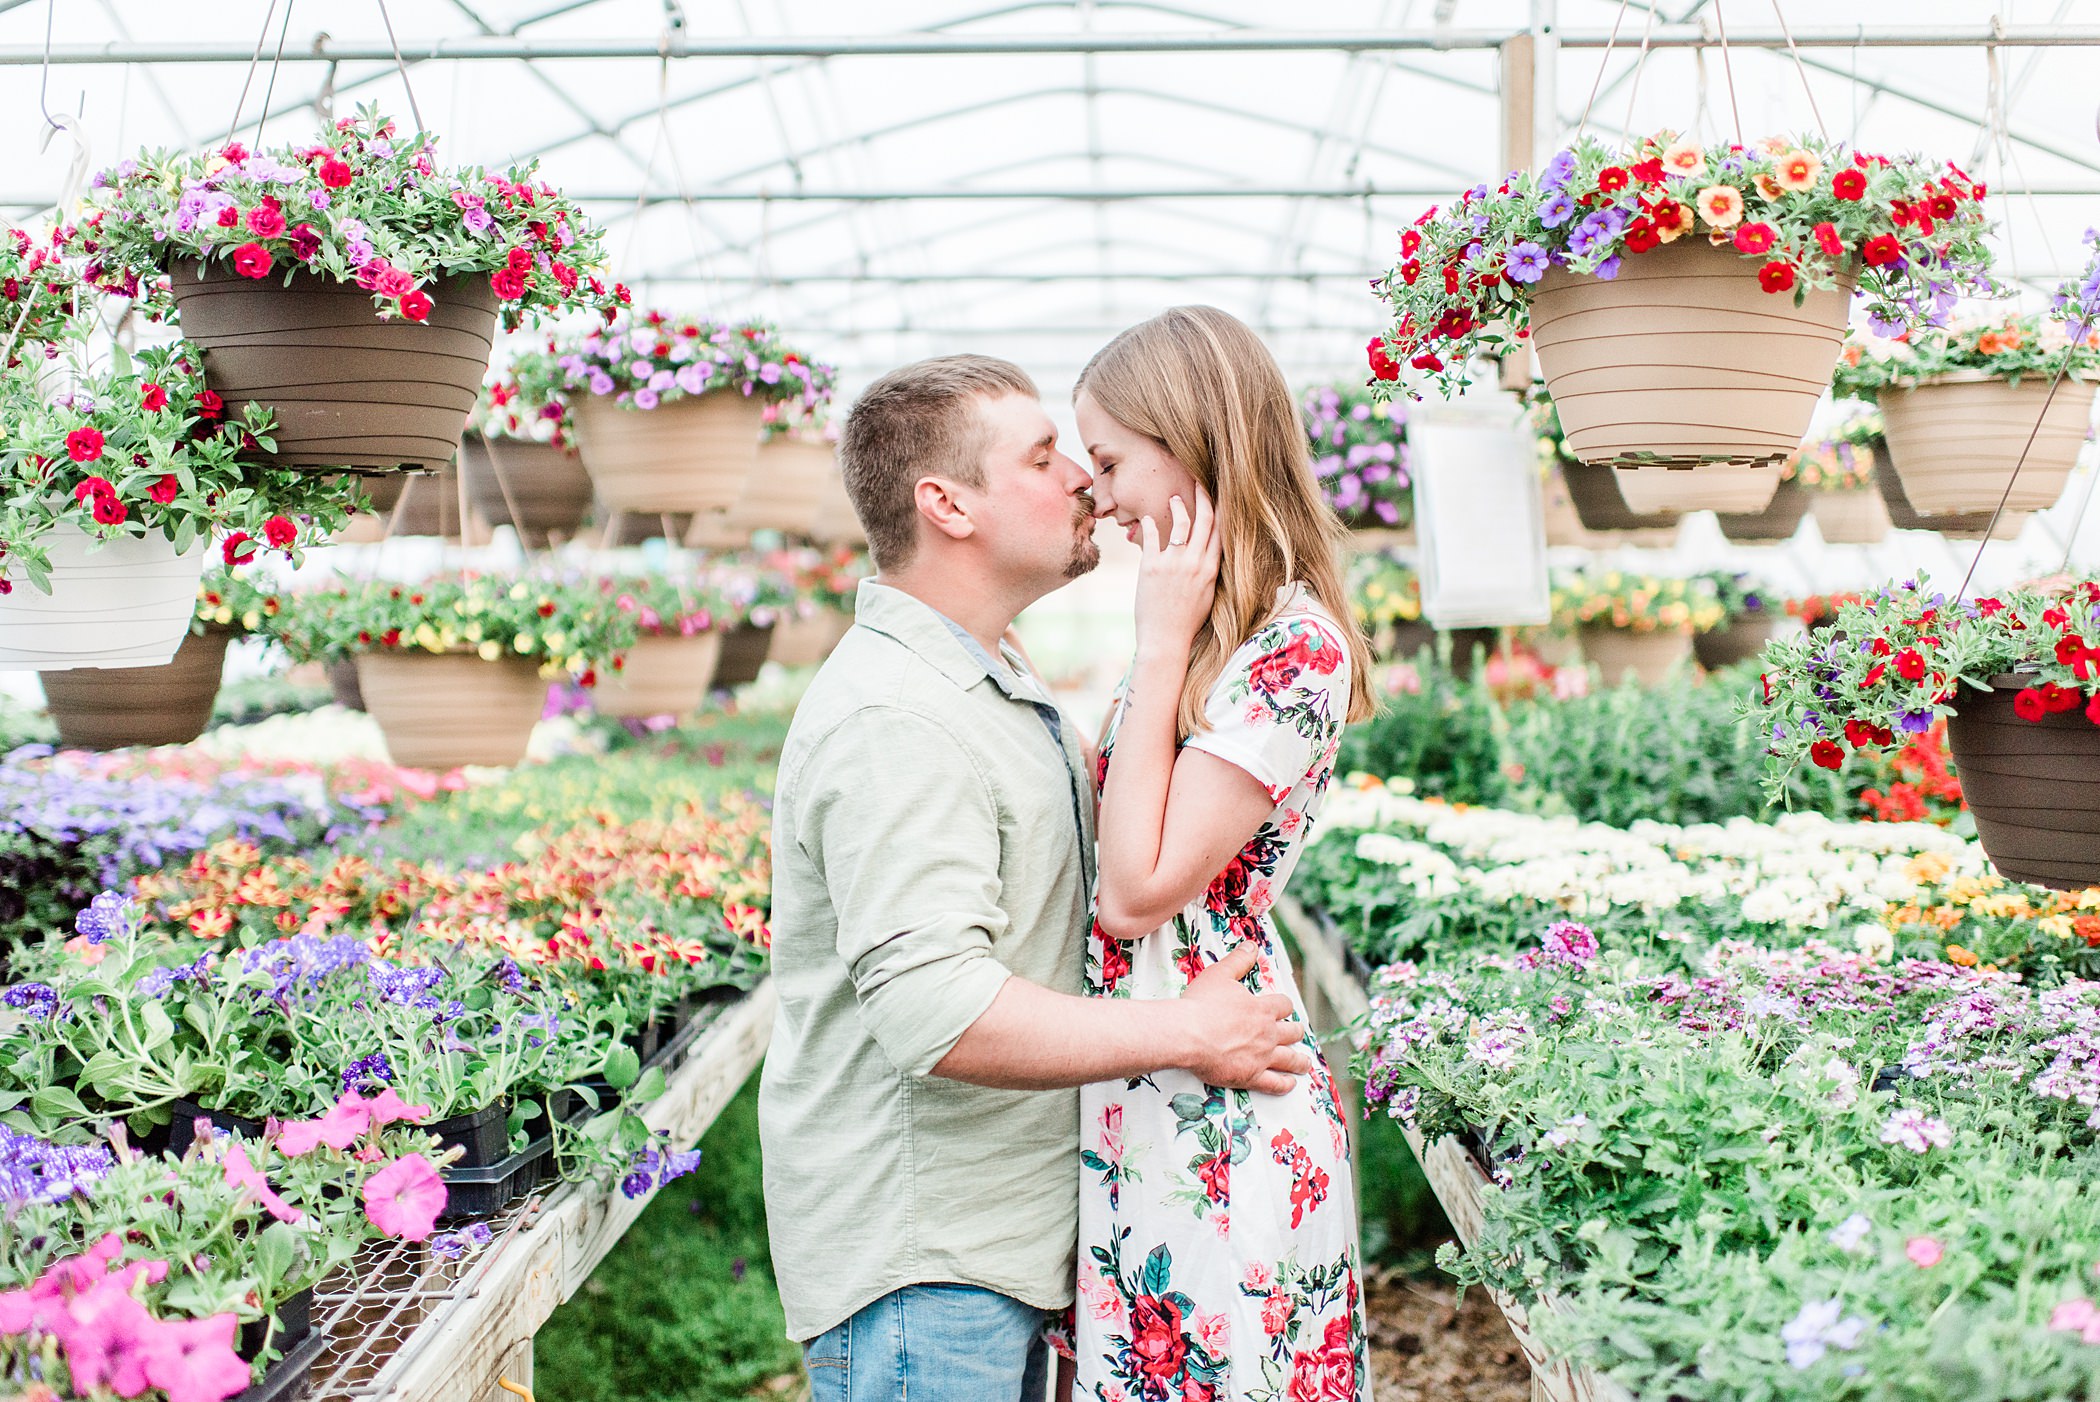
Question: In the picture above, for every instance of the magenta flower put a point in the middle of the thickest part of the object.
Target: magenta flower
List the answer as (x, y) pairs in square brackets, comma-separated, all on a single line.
[(192, 1360), (404, 1198), (1923, 1251), (240, 1173), (347, 1121)]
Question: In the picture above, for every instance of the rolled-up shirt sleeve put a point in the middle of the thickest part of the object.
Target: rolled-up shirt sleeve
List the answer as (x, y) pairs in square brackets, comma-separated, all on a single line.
[(904, 830)]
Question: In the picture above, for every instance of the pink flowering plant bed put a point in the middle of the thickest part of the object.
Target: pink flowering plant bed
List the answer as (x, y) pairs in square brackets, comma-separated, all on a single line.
[(1890, 663), (649, 358), (1801, 212), (364, 204), (1770, 1173)]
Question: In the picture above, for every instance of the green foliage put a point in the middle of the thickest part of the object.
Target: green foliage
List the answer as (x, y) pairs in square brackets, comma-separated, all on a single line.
[(1449, 738), (684, 1309)]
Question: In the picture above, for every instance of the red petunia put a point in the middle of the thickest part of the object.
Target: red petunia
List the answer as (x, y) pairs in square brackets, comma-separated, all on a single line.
[(1827, 239), (306, 242), (209, 405), (1873, 675), (416, 305), (1611, 180), (2028, 705), (84, 444), (1910, 664), (1650, 171), (1776, 276), (1755, 238), (1383, 366), (165, 490), (1427, 360), (107, 509), (507, 284), (229, 217), (1641, 236), (252, 260), (1827, 754), (335, 174), (519, 260), (1453, 324), (2092, 709), (1881, 250), (279, 532), (266, 220), (94, 487), (152, 398), (1849, 184), (232, 550)]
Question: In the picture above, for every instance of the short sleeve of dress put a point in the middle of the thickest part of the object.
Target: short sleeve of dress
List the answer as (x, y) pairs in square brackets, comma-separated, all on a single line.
[(1277, 709)]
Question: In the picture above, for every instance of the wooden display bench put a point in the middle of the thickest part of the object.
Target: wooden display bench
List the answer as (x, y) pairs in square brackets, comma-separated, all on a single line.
[(408, 1327), (1335, 998)]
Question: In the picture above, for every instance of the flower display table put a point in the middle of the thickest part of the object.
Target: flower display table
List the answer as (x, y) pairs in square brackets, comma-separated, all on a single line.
[(406, 1325)]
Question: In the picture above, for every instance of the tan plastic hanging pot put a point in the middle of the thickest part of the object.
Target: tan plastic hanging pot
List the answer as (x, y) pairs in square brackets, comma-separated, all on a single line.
[(836, 522), (349, 387), (112, 707), (662, 676), (2029, 785), (1597, 499), (694, 453), (1682, 359), (786, 489), (1621, 654), (1778, 521), (1563, 523), (1955, 439), (440, 710), (806, 640), (1735, 489), (1956, 525), (126, 602), (1858, 517), (546, 486)]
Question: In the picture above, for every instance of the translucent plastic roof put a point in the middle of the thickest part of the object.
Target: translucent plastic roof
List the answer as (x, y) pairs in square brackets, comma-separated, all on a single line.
[(849, 195)]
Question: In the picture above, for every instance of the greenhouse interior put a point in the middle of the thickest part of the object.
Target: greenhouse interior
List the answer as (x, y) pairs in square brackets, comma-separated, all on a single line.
[(1603, 486)]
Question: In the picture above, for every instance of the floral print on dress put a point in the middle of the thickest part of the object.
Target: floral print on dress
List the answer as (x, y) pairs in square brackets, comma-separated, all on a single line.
[(1218, 1238)]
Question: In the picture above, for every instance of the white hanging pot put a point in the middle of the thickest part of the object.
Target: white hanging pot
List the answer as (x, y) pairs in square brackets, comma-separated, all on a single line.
[(124, 603)]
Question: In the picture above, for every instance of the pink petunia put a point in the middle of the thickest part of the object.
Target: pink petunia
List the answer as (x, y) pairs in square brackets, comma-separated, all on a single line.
[(404, 1198), (345, 1122), (102, 1330), (1923, 1251), (193, 1360), (240, 1173), (386, 1107)]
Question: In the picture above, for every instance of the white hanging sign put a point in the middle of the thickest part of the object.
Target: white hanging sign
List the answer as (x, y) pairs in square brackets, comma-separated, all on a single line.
[(1479, 513)]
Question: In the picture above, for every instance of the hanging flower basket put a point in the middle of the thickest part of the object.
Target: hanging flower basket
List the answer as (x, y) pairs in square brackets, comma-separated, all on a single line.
[(1778, 521), (440, 710), (661, 676), (1563, 522), (342, 684), (1687, 305), (1738, 640), (624, 529), (1956, 439), (1838, 473), (348, 387), (1647, 658), (1602, 506), (836, 523), (1717, 488), (804, 640), (2029, 784), (1850, 518), (691, 454), (744, 651), (125, 603), (112, 707), (1957, 525), (786, 488), (545, 484)]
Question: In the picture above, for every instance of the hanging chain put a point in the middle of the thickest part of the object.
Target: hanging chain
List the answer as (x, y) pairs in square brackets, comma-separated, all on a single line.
[(1728, 72), (402, 65), (1800, 69)]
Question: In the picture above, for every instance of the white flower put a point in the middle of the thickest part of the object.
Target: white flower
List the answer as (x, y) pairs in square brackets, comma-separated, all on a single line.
[(1817, 1328), (1850, 1233), (1875, 942), (1563, 1134), (1917, 1131)]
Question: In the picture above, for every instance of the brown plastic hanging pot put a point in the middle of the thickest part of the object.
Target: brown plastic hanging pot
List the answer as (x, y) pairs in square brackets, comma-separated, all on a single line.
[(1778, 521), (1683, 359), (2033, 787), (440, 710), (1857, 517), (1595, 492), (694, 453), (349, 388), (1738, 640), (547, 485), (1648, 658), (113, 707), (661, 676), (1956, 438), (1736, 489), (1956, 525)]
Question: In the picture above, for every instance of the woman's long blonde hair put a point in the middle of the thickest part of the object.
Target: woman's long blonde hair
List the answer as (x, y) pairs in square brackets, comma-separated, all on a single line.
[(1197, 381)]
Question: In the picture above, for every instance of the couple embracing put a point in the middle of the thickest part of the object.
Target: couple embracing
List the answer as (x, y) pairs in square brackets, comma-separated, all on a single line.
[(1039, 1044)]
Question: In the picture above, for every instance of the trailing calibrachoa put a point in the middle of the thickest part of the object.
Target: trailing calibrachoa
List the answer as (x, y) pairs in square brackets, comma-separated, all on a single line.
[(1806, 213), (650, 358), (364, 205), (1833, 465), (1638, 603), (39, 297), (2007, 348), (1359, 454), (142, 446), (1891, 663)]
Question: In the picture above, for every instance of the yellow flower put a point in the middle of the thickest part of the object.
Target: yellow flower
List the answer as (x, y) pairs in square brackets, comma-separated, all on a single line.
[(1721, 206), (426, 636), (1798, 170), (490, 650), (523, 642)]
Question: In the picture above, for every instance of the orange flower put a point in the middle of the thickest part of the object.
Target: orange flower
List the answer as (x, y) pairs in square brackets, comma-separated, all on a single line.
[(1721, 206), (1798, 170), (1957, 955)]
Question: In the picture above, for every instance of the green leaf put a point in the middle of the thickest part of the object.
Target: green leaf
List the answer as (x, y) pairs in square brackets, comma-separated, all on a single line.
[(56, 1102), (160, 1028), (622, 1067)]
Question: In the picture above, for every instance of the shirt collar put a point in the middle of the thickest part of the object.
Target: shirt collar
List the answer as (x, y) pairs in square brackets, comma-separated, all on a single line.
[(945, 644)]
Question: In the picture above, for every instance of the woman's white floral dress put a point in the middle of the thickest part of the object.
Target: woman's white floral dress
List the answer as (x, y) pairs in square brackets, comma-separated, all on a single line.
[(1218, 1252)]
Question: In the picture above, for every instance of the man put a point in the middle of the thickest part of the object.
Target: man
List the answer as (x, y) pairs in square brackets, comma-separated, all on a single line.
[(932, 858)]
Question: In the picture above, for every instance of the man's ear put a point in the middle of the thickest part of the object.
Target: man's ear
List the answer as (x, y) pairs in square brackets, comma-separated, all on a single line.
[(940, 503)]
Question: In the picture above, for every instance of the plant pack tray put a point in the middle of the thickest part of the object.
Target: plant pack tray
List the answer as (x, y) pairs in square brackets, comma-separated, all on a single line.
[(291, 1376), (482, 1190), (482, 1133)]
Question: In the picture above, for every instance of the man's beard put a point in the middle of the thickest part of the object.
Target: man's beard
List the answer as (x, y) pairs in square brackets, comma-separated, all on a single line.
[(1085, 554)]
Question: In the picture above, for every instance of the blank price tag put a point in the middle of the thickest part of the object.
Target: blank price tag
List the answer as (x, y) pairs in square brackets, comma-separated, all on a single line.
[(1479, 513)]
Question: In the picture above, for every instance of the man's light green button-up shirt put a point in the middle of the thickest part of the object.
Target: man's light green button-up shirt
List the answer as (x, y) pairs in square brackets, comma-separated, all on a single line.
[(930, 840)]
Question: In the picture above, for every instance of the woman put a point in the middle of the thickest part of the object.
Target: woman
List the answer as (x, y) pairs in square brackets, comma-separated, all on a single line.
[(1218, 1241)]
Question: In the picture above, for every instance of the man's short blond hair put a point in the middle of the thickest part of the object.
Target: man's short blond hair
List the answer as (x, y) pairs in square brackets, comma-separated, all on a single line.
[(921, 420)]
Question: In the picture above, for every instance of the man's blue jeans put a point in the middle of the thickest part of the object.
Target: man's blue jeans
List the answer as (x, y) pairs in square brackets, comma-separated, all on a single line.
[(933, 1343)]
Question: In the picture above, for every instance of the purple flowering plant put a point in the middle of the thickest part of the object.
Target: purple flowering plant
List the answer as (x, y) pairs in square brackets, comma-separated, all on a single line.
[(1359, 454), (645, 359)]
